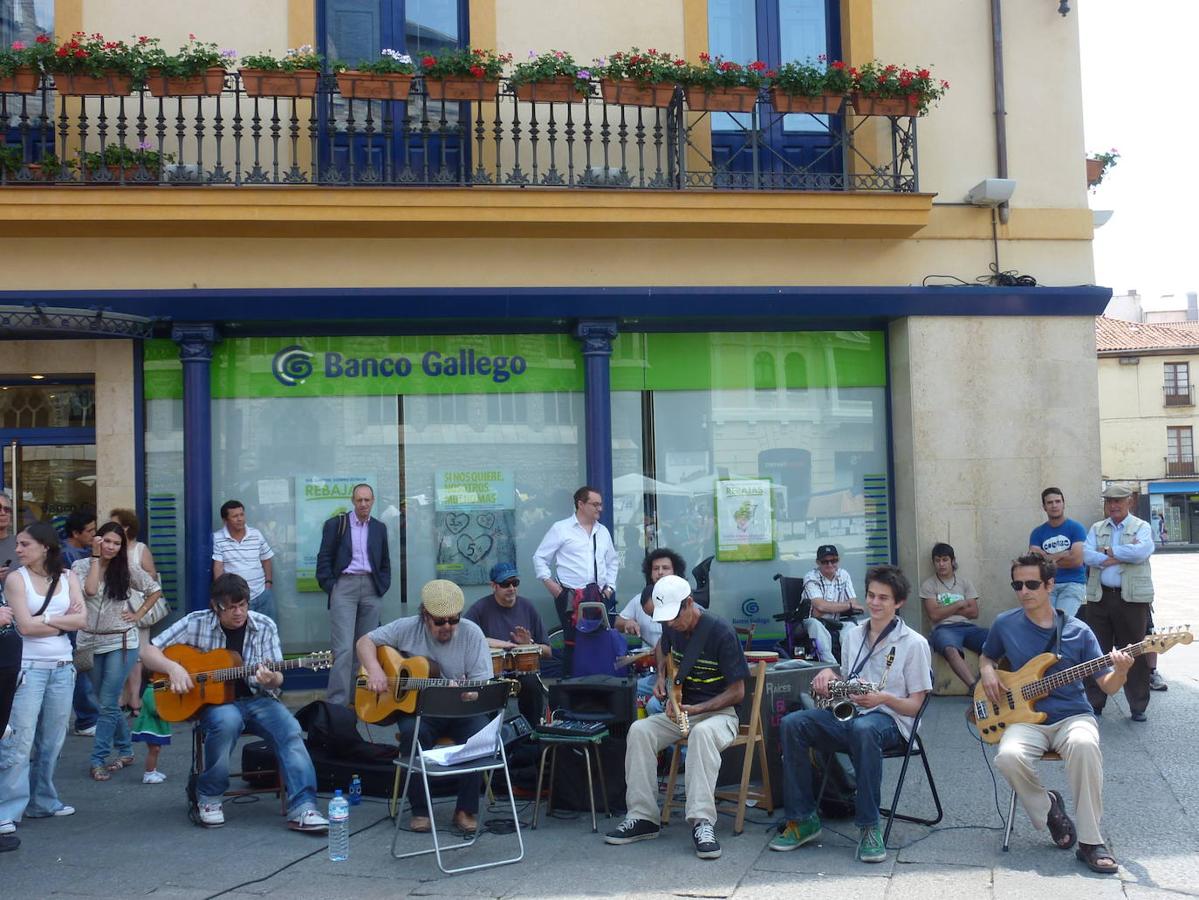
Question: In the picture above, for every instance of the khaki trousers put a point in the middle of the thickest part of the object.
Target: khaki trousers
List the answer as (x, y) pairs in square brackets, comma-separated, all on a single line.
[(1076, 739), (710, 734)]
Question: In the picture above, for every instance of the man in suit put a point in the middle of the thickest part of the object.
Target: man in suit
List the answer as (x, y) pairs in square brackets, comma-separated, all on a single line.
[(353, 567)]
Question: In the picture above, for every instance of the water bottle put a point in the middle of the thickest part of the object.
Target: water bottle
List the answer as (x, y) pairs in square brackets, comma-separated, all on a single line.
[(339, 827), (355, 791)]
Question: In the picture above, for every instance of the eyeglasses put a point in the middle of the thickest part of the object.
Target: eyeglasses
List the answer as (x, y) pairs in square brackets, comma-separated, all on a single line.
[(448, 620), (512, 582), (829, 561), (6, 510), (1030, 585)]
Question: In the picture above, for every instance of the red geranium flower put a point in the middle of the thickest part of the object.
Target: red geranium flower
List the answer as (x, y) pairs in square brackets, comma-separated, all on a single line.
[(81, 54), (478, 71), (43, 39), (428, 61)]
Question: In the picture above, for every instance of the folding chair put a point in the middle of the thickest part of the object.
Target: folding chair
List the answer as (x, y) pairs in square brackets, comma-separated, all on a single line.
[(455, 703), (1047, 756)]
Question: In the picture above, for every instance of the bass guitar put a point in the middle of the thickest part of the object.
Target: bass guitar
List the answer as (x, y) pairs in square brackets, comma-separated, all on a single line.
[(674, 696), (1028, 684), (407, 676), (214, 675)]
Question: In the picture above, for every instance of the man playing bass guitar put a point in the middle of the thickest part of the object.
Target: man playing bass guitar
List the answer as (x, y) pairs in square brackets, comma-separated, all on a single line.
[(1069, 729), (461, 653)]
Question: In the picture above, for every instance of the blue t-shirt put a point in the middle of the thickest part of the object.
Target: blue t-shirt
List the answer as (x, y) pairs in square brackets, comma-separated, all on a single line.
[(1059, 539), (1017, 637)]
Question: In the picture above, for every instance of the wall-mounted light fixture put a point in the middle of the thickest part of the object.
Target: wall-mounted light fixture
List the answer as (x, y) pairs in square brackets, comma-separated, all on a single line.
[(1064, 8), (991, 192)]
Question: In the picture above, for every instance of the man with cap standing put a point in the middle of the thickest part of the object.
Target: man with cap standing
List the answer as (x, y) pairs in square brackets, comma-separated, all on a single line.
[(711, 666), (1119, 591), (830, 589), (508, 621), (461, 653)]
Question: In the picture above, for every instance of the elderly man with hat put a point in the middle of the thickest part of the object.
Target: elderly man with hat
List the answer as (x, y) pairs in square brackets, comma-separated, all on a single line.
[(461, 653), (1120, 591), (711, 667), (510, 621)]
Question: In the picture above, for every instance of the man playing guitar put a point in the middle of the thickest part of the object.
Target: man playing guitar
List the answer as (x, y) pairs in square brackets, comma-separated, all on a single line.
[(1069, 729), (230, 624), (461, 652)]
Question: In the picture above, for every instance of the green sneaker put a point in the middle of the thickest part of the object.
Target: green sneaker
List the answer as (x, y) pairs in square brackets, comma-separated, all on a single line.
[(871, 848), (796, 834)]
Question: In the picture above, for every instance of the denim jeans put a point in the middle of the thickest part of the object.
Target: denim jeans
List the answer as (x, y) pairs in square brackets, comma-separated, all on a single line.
[(265, 603), (864, 738), (1068, 595), (41, 709), (267, 718), (645, 688), (87, 710), (433, 729), (108, 676)]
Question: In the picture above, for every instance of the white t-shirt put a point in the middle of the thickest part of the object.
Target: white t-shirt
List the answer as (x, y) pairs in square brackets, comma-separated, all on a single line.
[(910, 671), (651, 631)]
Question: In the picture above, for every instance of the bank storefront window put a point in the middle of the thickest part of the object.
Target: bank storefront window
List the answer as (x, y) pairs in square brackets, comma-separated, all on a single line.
[(473, 445), (751, 449)]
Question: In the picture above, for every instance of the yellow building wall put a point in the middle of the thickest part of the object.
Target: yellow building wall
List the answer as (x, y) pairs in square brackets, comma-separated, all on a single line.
[(1134, 417)]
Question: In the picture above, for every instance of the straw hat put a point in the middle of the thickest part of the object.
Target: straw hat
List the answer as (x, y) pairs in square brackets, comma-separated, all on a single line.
[(442, 598)]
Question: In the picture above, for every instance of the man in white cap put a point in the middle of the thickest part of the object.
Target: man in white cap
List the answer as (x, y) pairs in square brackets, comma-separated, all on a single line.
[(1119, 591), (712, 670), (461, 653)]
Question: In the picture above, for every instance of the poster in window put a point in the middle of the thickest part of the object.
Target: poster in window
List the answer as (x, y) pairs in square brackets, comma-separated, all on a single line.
[(475, 523), (744, 520), (318, 499)]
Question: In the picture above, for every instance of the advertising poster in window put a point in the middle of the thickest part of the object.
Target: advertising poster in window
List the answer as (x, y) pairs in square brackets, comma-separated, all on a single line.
[(318, 499), (475, 523), (744, 520)]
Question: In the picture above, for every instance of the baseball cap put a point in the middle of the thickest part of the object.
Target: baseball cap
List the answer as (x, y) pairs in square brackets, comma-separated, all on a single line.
[(442, 598), (824, 551), (1117, 492), (501, 572), (669, 594)]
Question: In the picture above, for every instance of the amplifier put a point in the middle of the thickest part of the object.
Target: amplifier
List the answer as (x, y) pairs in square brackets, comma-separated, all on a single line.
[(596, 698)]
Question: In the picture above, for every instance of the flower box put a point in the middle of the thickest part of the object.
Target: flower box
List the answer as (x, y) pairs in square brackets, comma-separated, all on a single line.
[(268, 83), (22, 81), (1094, 172), (116, 173), (481, 90), (722, 99), (560, 90), (870, 105), (627, 92), (354, 85), (822, 104), (206, 84), (110, 84)]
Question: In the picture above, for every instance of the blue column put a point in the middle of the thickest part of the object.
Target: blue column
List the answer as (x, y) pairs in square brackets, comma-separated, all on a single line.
[(196, 340), (597, 336)]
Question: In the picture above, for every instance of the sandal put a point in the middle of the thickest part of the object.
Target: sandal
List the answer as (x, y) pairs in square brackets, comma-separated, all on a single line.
[(1097, 858), (119, 763), (1061, 828), (99, 773)]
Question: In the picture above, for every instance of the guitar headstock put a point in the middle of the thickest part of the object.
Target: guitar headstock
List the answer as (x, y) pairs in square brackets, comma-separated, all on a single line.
[(1162, 640), (322, 659)]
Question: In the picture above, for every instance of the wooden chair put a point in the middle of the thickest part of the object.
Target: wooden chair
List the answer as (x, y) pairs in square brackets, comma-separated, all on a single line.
[(1047, 756), (749, 736), (746, 632)]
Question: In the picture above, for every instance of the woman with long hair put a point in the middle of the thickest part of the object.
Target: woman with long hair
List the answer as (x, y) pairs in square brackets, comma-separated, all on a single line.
[(111, 632), (46, 601), (139, 557)]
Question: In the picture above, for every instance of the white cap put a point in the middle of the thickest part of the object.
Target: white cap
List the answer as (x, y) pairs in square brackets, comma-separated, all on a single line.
[(669, 594)]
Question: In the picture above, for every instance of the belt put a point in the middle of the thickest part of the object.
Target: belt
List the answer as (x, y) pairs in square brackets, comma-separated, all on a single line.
[(1109, 590), (354, 575), (45, 664)]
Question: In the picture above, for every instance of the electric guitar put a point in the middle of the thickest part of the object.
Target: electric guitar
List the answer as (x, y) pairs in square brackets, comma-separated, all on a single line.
[(674, 696), (407, 676), (1028, 684), (214, 675)]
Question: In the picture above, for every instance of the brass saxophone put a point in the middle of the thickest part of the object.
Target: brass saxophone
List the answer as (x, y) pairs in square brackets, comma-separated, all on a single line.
[(841, 693)]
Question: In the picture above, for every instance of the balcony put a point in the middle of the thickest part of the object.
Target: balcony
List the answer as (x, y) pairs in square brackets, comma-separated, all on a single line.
[(1180, 466), (1178, 395)]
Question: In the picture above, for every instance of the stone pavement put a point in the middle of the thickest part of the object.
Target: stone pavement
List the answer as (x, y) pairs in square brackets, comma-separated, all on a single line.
[(129, 839)]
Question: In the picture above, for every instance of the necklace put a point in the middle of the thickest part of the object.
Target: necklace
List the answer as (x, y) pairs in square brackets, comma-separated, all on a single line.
[(948, 587)]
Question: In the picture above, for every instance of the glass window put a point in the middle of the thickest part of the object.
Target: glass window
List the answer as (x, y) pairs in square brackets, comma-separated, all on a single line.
[(25, 20), (46, 405)]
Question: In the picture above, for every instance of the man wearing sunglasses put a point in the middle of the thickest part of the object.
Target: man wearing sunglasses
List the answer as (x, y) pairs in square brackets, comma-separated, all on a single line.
[(830, 589), (509, 621), (1070, 728), (460, 651)]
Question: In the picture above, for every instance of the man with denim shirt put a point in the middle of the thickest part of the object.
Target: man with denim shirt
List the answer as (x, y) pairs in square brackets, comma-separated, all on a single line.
[(230, 624)]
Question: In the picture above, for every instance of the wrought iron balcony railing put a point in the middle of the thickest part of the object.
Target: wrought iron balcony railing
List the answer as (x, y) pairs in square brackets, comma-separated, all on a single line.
[(235, 139), (1178, 395), (1179, 466)]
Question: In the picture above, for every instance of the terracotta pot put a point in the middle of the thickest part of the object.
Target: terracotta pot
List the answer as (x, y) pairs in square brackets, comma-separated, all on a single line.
[(110, 84), (1094, 172), (626, 92), (477, 89), (22, 81), (735, 99), (355, 85), (207, 84), (263, 83), (560, 90), (867, 105), (824, 104), (117, 172)]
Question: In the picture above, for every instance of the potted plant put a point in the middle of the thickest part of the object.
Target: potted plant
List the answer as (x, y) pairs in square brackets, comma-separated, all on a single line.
[(718, 84), (552, 76), (387, 78), (893, 90), (91, 65), (197, 70), (463, 74), (1098, 165), (297, 74), (21, 65), (639, 78), (125, 162), (805, 87)]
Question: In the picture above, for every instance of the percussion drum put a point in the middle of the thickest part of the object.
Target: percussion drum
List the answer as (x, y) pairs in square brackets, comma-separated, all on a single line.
[(766, 656), (526, 659), (499, 661)]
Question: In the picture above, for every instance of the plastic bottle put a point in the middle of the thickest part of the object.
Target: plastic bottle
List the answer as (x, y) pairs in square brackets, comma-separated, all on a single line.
[(339, 827), (355, 791)]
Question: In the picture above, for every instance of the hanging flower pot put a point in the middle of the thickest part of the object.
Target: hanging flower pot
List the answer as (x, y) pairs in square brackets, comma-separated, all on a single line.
[(108, 84), (627, 92), (268, 83), (207, 84), (1094, 172), (355, 85), (821, 104), (22, 81), (870, 105), (479, 90), (562, 89), (721, 99)]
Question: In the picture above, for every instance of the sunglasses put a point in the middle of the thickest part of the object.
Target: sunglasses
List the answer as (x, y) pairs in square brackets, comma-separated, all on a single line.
[(1030, 585), (829, 561), (513, 582), (448, 620)]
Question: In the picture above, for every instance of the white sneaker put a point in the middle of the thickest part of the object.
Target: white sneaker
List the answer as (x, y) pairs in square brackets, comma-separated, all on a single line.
[(153, 777), (211, 815), (7, 732), (8, 827), (90, 731), (308, 820)]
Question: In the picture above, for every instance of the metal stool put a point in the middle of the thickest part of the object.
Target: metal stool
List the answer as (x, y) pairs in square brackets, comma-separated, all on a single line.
[(1047, 756), (590, 744)]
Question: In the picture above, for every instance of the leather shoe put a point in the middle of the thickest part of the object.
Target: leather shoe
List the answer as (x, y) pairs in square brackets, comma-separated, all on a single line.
[(1139, 717), (464, 821), (421, 824)]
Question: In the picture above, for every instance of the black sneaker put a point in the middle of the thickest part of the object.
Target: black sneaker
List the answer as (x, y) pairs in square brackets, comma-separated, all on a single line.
[(706, 845), (632, 830)]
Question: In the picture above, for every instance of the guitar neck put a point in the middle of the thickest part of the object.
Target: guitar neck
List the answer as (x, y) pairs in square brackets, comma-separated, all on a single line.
[(245, 671), (1044, 686), (421, 683)]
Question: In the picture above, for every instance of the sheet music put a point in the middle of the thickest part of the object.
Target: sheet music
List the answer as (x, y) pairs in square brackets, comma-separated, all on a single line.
[(478, 745)]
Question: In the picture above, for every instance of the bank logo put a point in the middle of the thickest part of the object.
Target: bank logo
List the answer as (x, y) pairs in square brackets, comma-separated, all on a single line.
[(291, 365), (750, 608)]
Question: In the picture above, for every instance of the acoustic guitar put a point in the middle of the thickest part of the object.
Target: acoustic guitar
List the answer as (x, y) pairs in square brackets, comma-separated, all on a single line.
[(214, 675), (1028, 684), (407, 676)]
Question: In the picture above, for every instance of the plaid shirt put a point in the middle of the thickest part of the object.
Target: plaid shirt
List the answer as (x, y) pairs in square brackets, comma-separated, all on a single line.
[(838, 589), (202, 630)]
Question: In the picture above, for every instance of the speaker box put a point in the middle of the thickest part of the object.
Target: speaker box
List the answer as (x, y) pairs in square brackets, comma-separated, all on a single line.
[(597, 698)]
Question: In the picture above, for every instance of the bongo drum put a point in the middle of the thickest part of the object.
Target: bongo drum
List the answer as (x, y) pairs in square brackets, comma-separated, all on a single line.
[(766, 656), (499, 659), (526, 659)]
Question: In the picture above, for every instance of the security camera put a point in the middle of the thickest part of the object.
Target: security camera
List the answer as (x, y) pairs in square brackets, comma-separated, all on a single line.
[(991, 192)]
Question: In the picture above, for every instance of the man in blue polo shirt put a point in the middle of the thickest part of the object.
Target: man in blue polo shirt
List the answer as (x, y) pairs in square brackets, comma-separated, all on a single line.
[(1060, 540)]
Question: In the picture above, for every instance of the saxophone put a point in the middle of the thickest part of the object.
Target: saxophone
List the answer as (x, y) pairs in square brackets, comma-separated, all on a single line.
[(841, 693)]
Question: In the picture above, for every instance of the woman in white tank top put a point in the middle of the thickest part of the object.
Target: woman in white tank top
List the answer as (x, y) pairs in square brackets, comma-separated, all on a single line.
[(47, 602)]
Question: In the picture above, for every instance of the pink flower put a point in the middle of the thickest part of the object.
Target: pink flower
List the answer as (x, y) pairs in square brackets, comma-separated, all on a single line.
[(18, 45)]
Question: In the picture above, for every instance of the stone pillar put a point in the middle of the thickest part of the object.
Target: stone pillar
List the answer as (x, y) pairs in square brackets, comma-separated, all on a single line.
[(597, 337)]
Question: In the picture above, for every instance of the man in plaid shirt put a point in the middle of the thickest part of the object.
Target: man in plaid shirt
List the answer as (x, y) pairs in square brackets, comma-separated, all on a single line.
[(230, 624)]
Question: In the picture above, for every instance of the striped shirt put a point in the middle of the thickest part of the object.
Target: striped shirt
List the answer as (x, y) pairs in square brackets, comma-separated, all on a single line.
[(202, 630), (243, 557), (837, 589)]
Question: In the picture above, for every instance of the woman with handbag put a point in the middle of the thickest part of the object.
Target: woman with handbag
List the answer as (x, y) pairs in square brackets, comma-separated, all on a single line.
[(107, 646), (139, 557), (46, 601)]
